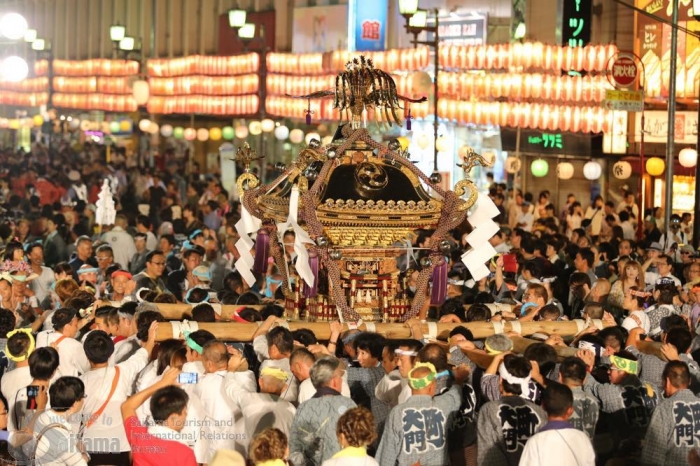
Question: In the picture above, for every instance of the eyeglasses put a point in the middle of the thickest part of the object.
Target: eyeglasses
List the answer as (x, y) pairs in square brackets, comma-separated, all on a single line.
[(101, 259), (159, 264)]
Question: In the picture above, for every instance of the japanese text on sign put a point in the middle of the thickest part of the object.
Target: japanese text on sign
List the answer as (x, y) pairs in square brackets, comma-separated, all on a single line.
[(576, 22), (547, 140), (371, 30)]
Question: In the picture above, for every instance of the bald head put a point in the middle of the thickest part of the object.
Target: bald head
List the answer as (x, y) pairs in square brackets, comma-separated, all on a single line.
[(214, 356)]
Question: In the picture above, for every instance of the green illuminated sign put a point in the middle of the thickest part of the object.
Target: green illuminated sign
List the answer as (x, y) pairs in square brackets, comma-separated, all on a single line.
[(547, 140)]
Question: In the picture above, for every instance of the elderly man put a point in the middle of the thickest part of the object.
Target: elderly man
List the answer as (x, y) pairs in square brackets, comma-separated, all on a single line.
[(313, 438)]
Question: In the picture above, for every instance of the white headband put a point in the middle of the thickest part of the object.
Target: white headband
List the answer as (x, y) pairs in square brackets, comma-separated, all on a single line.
[(524, 382), (401, 352)]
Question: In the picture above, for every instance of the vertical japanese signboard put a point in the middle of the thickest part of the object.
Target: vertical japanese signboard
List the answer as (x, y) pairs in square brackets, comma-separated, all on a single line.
[(576, 23), (368, 25), (653, 45)]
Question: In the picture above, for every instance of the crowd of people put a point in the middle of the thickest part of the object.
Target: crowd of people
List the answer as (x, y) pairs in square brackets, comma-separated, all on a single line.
[(84, 381)]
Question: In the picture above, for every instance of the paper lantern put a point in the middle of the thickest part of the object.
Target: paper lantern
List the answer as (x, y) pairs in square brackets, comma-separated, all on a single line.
[(592, 170), (215, 134), (178, 132), (144, 125), (311, 136), (267, 125), (202, 134), (327, 140), (655, 166), (281, 133), (463, 152), (141, 92), (14, 69), (85, 125), (688, 157), (14, 123), (442, 144), (73, 125), (420, 83), (296, 136), (166, 131), (228, 133), (39, 120), (423, 141), (622, 170), (513, 165), (255, 128), (539, 168), (565, 171), (190, 134), (114, 127), (241, 131), (154, 128)]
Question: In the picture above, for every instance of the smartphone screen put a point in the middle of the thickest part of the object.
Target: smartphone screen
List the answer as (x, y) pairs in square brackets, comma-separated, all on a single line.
[(32, 393), (187, 378)]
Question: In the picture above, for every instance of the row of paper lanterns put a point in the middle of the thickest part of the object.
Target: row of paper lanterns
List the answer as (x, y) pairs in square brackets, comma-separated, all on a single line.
[(524, 86), (587, 119), (332, 62), (204, 65), (88, 68), (228, 105), (592, 170), (565, 170), (205, 85), (228, 133), (415, 84), (107, 127), (529, 55)]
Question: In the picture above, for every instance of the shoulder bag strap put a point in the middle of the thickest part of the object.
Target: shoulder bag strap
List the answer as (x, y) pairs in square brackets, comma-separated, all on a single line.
[(97, 413), (41, 434)]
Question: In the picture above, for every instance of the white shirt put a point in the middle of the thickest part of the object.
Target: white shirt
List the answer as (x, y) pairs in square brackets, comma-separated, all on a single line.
[(393, 388), (224, 425), (527, 220), (627, 230), (124, 349), (502, 248), (570, 447), (637, 319), (122, 245), (147, 377), (13, 383), (151, 242), (650, 279), (260, 410), (71, 355), (41, 285), (98, 384), (57, 446), (194, 366)]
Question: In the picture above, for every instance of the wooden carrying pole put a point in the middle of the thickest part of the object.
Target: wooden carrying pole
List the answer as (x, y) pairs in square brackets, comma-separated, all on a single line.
[(242, 332), (520, 344), (180, 310)]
